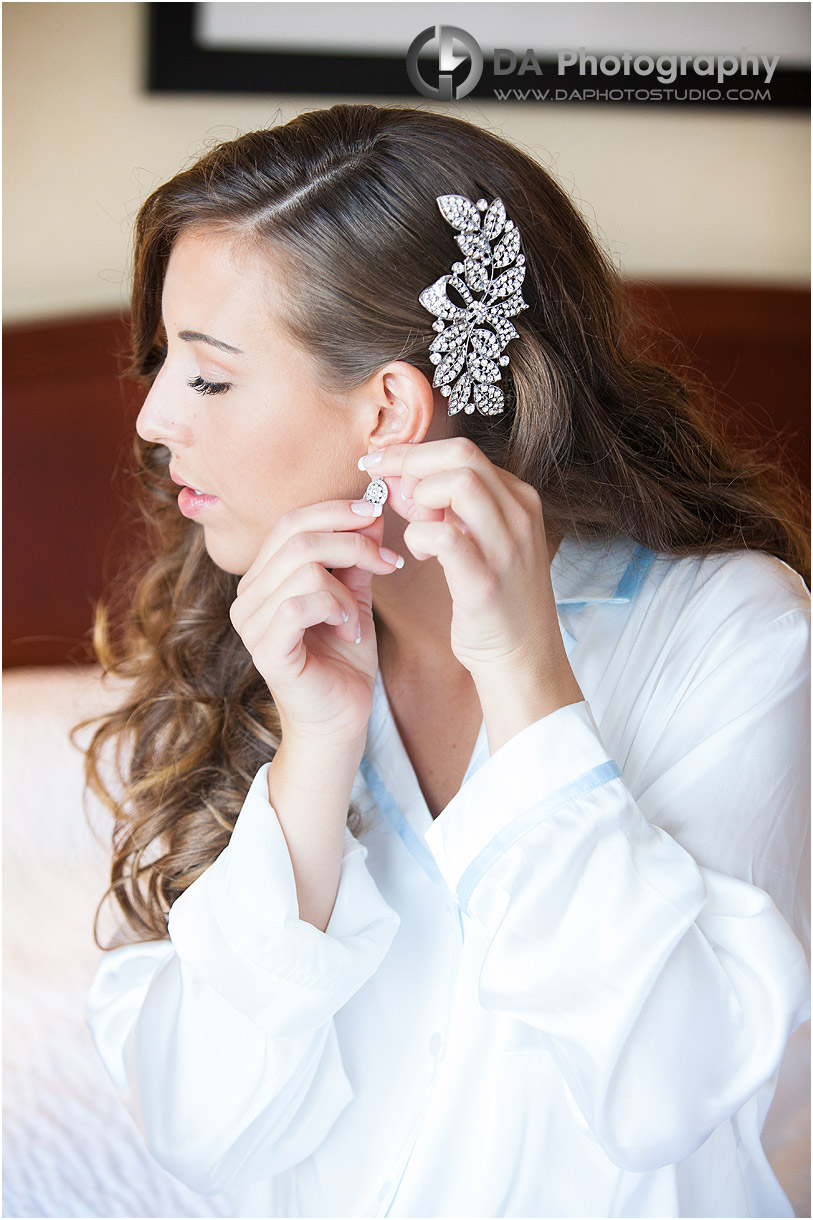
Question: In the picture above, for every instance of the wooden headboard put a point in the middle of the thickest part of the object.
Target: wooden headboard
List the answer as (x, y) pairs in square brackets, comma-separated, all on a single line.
[(68, 425)]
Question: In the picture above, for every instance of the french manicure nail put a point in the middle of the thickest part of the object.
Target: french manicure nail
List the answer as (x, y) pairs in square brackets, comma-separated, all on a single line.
[(371, 459), (345, 615), (365, 509), (391, 556), (358, 633)]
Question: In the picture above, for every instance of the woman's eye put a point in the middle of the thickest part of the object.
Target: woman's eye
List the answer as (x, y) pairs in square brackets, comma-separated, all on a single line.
[(208, 387)]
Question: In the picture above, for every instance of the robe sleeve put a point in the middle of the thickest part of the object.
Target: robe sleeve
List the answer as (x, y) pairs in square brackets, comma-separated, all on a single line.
[(664, 984), (220, 1040)]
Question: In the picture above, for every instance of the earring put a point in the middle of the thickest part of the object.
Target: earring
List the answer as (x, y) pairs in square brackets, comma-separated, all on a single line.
[(377, 492)]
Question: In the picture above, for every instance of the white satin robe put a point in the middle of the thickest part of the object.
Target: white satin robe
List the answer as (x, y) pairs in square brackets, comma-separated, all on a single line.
[(567, 996)]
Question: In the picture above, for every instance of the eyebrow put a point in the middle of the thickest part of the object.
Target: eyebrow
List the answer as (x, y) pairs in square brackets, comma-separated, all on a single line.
[(195, 336)]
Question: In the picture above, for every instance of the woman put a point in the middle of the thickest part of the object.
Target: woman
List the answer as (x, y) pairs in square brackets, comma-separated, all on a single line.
[(547, 967)]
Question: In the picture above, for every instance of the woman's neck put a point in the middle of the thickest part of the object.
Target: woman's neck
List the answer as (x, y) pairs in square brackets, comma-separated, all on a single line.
[(413, 616)]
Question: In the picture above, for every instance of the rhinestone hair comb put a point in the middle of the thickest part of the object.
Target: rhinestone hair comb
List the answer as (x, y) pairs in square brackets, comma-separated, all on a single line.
[(468, 352)]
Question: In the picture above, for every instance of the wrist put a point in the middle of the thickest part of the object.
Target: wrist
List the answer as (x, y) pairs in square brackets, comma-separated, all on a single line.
[(314, 764), (513, 697), (319, 743), (309, 787)]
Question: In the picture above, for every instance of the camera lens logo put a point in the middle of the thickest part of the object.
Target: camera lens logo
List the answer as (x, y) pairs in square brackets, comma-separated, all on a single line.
[(448, 60)]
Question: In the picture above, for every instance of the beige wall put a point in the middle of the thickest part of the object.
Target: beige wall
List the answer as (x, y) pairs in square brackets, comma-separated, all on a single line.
[(693, 194)]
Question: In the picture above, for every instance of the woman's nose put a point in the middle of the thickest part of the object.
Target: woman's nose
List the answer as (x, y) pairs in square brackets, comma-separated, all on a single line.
[(161, 419)]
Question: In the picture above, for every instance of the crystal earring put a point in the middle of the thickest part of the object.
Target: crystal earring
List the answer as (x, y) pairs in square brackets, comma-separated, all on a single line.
[(377, 492)]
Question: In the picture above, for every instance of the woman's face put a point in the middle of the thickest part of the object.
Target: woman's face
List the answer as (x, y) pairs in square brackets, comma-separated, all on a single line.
[(236, 405)]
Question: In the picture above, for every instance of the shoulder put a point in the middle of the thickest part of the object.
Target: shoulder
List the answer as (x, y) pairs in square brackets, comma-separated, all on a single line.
[(640, 604), (712, 607), (747, 584), (621, 572)]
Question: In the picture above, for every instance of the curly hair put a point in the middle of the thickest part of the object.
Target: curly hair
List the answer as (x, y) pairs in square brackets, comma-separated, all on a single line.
[(615, 444)]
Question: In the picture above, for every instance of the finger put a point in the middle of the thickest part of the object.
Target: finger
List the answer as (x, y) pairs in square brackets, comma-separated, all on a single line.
[(253, 614), (464, 565), (416, 462), (464, 492), (407, 508), (281, 644), (339, 550), (327, 515), (299, 612)]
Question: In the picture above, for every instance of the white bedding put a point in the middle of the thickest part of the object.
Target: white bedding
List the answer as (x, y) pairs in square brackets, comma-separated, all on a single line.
[(69, 1146)]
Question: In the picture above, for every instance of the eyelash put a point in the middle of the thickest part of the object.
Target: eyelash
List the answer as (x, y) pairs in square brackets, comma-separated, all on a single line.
[(208, 387)]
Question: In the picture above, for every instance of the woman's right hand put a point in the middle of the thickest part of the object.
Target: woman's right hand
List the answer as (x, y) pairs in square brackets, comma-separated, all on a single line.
[(288, 613)]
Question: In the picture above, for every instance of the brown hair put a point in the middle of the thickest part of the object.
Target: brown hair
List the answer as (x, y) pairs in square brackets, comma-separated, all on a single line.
[(614, 443)]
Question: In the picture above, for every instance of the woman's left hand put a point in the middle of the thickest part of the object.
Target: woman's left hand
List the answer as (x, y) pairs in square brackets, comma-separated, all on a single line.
[(486, 529)]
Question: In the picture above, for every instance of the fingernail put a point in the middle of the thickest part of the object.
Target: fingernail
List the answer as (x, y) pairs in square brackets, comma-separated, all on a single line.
[(345, 615), (391, 556), (371, 459), (365, 509), (358, 633)]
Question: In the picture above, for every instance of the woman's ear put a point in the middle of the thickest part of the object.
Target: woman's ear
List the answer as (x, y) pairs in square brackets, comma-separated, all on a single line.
[(405, 402)]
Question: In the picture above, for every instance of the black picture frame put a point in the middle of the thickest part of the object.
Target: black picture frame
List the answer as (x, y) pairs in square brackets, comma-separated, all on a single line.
[(177, 63)]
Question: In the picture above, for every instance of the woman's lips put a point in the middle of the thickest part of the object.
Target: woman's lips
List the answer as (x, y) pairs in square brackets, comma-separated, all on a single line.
[(191, 502)]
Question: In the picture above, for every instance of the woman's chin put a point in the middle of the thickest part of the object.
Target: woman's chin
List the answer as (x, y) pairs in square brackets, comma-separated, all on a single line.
[(235, 560)]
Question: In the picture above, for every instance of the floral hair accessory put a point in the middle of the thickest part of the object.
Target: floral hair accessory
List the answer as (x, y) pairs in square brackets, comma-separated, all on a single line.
[(468, 352)]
